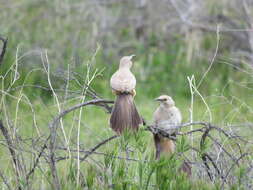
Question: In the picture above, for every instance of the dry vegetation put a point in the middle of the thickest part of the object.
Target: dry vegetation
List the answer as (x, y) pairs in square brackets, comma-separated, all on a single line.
[(55, 98)]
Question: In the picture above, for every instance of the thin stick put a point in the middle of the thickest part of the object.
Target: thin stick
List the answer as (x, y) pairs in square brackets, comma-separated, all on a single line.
[(236, 163), (35, 163), (215, 54), (97, 146), (5, 41), (98, 102), (5, 181), (12, 151)]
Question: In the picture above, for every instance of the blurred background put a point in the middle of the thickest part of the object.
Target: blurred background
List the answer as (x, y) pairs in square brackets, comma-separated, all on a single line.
[(199, 52), (172, 40)]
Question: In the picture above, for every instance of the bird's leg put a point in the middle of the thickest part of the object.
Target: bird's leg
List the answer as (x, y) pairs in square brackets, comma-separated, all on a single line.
[(157, 146)]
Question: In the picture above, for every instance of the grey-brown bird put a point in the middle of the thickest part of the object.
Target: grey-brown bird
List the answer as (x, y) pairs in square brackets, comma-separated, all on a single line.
[(166, 117), (124, 113)]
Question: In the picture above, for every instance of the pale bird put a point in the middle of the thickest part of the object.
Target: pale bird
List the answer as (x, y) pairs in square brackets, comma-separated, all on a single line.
[(167, 117), (124, 114)]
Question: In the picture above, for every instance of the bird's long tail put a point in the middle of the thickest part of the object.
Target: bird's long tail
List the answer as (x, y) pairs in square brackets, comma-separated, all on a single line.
[(124, 114), (166, 146), (163, 146)]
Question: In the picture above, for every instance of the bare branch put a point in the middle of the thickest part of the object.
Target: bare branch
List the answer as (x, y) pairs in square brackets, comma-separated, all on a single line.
[(236, 163), (97, 153), (207, 127), (97, 146), (53, 127), (35, 163), (5, 181), (15, 160), (3, 49)]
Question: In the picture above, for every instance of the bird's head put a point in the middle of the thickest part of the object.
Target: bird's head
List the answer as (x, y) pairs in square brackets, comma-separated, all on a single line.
[(165, 100), (126, 62)]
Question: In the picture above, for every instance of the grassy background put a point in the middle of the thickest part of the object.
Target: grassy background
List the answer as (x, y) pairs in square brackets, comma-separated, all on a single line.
[(80, 38)]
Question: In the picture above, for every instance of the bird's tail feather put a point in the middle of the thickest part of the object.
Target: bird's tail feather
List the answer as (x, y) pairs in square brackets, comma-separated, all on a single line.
[(124, 114), (163, 146)]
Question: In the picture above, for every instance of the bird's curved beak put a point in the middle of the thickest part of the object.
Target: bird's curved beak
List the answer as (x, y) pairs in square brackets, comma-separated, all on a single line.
[(157, 99), (131, 56)]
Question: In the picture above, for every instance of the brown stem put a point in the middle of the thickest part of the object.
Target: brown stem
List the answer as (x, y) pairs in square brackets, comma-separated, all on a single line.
[(97, 146), (12, 152), (5, 41)]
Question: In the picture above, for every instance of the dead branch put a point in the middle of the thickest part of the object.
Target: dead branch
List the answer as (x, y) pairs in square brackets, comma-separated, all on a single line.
[(230, 169), (97, 102), (52, 137), (15, 160), (5, 181), (97, 146), (224, 150), (35, 163), (5, 41), (206, 129), (97, 153)]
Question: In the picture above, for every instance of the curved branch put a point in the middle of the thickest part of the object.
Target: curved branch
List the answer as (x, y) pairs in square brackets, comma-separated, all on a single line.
[(98, 102), (230, 169), (97, 146)]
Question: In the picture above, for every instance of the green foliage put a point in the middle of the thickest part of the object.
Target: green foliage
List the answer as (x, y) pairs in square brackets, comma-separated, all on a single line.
[(182, 144), (75, 48), (91, 174)]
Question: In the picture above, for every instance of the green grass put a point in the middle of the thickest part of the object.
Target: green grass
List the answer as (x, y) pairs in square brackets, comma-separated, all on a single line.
[(27, 111), (76, 46), (104, 171)]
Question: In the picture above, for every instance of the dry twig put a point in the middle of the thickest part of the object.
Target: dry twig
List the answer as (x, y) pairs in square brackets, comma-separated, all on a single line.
[(3, 49)]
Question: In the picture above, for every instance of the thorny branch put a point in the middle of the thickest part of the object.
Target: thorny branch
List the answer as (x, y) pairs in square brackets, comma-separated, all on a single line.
[(233, 165), (205, 130), (52, 136), (15, 160)]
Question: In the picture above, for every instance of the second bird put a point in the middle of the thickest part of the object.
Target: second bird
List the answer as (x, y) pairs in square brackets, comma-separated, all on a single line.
[(124, 114), (166, 117)]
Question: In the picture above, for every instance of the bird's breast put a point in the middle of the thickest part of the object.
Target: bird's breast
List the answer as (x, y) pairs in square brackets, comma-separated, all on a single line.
[(123, 81), (167, 119)]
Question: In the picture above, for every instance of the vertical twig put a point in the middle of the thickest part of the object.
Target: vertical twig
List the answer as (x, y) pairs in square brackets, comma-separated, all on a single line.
[(85, 88), (5, 41), (214, 57), (53, 131), (190, 80), (5, 181), (16, 162), (203, 154)]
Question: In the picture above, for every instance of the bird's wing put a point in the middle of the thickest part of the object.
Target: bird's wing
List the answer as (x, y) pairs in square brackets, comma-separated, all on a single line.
[(168, 120), (177, 116)]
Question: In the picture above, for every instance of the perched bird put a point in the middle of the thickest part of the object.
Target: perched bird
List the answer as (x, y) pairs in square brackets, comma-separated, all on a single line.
[(124, 113), (166, 117)]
